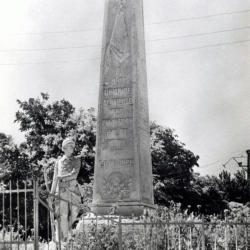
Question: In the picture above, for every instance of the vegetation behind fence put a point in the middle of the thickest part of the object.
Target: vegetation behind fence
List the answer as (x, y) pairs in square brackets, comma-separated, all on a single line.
[(164, 228)]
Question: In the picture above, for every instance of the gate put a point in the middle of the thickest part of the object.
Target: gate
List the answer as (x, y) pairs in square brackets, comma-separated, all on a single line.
[(16, 200), (19, 215)]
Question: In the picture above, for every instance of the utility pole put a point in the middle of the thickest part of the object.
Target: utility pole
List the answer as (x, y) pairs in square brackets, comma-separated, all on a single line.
[(245, 167)]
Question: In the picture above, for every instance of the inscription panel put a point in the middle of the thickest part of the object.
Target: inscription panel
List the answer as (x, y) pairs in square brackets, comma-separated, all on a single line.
[(117, 119)]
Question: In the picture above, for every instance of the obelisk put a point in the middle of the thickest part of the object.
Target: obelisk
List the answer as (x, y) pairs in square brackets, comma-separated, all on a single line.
[(123, 168)]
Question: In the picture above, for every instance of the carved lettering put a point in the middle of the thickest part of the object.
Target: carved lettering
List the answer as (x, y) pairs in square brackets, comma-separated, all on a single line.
[(116, 163), (117, 112), (117, 151), (117, 122), (118, 81), (117, 92), (123, 132), (111, 133), (118, 71), (119, 101), (114, 133), (116, 143)]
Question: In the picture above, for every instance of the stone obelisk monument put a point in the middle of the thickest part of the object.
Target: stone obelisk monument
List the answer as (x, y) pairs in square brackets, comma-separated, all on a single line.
[(123, 168)]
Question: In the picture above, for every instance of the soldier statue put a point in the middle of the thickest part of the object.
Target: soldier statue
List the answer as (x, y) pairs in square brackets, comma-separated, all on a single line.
[(66, 187)]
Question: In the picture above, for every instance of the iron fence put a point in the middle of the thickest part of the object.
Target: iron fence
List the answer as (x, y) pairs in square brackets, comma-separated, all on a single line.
[(19, 227), (19, 210), (137, 233)]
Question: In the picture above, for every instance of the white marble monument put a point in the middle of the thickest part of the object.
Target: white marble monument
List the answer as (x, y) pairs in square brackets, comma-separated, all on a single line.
[(123, 168)]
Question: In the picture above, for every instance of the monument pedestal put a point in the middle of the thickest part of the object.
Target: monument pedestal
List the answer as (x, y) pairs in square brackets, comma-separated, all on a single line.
[(123, 167), (124, 209)]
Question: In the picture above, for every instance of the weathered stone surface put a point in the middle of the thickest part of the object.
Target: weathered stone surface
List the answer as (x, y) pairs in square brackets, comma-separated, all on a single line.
[(123, 169)]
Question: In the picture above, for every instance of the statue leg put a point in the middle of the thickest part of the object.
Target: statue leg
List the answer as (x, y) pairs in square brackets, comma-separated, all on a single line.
[(76, 199), (64, 211), (74, 213)]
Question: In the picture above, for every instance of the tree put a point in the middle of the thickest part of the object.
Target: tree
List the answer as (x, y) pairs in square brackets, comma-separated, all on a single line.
[(206, 193), (240, 187), (233, 189), (172, 165), (14, 161), (47, 125)]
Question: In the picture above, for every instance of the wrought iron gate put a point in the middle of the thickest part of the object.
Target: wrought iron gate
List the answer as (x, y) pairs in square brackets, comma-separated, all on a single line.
[(16, 211)]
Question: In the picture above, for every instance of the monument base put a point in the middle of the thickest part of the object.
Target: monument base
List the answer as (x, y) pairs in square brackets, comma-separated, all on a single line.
[(123, 209)]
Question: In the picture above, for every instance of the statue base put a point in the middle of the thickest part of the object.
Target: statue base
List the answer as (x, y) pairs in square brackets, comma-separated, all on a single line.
[(123, 208)]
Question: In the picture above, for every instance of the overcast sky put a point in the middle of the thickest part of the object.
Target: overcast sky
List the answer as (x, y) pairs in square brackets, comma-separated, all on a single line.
[(198, 66)]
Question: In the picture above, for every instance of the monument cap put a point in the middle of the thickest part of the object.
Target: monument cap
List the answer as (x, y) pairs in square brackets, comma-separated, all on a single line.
[(68, 141)]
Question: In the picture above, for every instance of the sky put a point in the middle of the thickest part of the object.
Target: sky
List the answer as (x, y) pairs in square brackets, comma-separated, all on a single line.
[(198, 67)]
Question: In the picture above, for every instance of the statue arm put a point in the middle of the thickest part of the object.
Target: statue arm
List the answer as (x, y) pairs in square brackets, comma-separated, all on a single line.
[(75, 171), (53, 187)]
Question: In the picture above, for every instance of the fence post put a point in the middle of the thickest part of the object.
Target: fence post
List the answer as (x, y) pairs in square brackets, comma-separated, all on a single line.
[(179, 237), (246, 232), (203, 232), (2, 184), (36, 222), (120, 233)]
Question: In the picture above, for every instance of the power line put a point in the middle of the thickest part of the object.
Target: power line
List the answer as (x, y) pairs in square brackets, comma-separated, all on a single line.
[(154, 23), (60, 48), (195, 18), (9, 64), (161, 52), (225, 157), (201, 34), (90, 46), (202, 47), (50, 32)]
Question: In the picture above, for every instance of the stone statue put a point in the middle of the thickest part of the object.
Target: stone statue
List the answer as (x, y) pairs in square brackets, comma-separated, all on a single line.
[(66, 186)]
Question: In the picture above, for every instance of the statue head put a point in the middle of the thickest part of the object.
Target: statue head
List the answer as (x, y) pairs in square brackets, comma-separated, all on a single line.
[(68, 146)]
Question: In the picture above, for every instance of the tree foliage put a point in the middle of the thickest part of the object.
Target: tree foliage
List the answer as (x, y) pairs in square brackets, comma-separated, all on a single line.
[(14, 160), (172, 165), (47, 125)]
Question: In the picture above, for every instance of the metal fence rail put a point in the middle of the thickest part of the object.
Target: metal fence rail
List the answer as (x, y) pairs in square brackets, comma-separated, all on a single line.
[(185, 235), (170, 235), (15, 205), (19, 227)]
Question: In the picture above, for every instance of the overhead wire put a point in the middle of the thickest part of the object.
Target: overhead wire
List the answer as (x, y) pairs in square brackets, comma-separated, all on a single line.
[(89, 46), (153, 23), (73, 61), (51, 32), (59, 48), (194, 48), (200, 34), (195, 18), (226, 157), (215, 171), (153, 53)]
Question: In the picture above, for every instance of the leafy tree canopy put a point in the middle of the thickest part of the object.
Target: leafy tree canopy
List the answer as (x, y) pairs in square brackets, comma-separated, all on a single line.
[(47, 125), (172, 165)]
